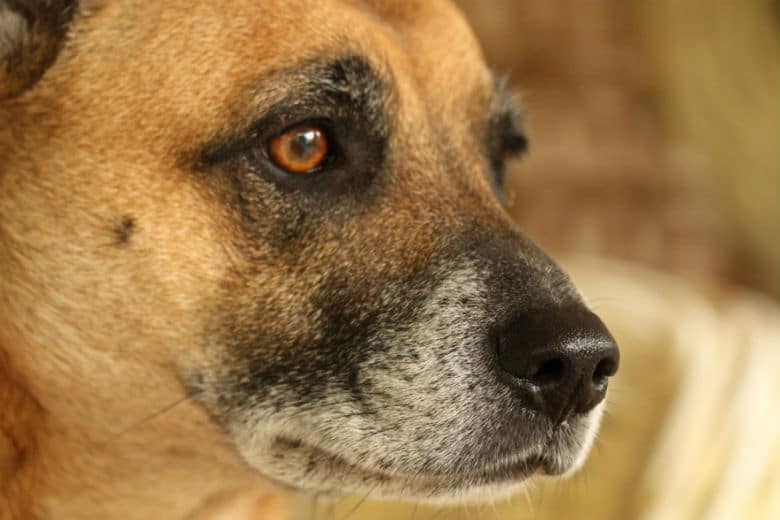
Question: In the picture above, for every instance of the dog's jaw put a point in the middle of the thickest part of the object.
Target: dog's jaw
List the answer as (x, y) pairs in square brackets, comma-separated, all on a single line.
[(312, 470)]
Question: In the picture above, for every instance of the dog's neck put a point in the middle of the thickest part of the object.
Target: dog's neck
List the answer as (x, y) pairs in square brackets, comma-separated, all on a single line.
[(47, 466), (19, 415)]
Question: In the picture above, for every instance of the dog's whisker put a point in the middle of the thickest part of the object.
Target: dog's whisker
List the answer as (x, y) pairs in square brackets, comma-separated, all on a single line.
[(232, 261), (331, 510), (314, 512), (495, 510), (360, 502), (529, 502), (144, 420)]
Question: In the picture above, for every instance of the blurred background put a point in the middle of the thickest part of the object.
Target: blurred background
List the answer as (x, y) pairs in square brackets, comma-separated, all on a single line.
[(654, 177)]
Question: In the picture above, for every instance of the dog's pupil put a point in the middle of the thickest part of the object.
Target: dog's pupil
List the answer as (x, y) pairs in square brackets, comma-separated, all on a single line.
[(306, 144)]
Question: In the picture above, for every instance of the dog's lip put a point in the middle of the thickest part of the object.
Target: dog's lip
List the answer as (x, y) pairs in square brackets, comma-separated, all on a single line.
[(511, 470), (520, 469), (553, 468)]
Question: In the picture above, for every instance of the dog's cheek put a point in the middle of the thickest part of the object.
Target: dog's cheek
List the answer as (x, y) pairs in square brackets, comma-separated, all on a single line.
[(288, 345), (291, 341)]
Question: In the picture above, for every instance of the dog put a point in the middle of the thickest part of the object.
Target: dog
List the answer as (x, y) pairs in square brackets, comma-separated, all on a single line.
[(257, 247)]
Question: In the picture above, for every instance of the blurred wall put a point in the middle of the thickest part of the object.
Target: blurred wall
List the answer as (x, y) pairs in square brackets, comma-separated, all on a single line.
[(655, 129)]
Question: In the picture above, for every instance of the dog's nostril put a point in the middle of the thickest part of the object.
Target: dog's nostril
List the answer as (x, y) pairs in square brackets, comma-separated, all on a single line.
[(605, 369), (551, 371)]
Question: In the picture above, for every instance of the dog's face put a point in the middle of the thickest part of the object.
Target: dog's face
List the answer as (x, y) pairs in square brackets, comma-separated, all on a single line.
[(294, 209)]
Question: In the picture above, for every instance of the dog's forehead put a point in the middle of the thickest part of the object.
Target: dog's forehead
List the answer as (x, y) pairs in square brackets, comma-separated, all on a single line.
[(192, 58), (435, 40)]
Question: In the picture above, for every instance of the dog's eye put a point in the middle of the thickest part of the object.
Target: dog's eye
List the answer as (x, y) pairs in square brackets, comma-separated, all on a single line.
[(513, 144), (510, 146), (301, 149)]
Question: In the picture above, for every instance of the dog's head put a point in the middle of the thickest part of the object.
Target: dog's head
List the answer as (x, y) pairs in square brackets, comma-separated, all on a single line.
[(293, 210)]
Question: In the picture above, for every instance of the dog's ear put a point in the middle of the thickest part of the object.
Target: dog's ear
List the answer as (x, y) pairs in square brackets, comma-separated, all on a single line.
[(31, 33)]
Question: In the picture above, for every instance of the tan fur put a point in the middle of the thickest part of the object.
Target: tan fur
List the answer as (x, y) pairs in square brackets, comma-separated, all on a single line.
[(20, 423)]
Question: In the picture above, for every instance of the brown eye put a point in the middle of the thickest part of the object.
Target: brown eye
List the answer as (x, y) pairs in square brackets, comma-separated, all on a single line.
[(300, 149)]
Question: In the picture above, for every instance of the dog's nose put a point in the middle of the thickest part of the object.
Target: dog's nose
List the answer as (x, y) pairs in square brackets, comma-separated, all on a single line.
[(561, 359)]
